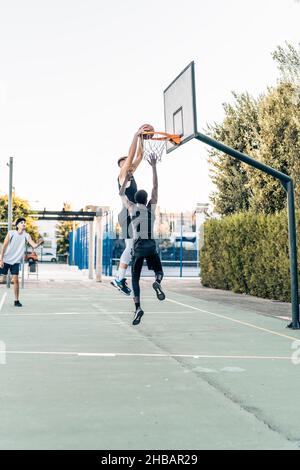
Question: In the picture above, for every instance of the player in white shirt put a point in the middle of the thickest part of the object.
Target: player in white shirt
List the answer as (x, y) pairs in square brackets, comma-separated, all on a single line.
[(13, 251)]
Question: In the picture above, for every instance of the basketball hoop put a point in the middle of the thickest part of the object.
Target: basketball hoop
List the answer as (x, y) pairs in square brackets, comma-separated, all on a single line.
[(154, 143)]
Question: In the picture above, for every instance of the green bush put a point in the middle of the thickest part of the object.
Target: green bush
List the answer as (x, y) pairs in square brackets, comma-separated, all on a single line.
[(248, 253)]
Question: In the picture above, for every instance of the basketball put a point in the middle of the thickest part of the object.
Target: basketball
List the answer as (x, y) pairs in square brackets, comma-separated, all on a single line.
[(148, 129)]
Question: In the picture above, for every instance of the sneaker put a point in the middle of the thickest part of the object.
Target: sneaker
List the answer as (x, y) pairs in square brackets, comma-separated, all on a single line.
[(115, 283), (18, 304), (122, 286), (137, 316), (157, 287)]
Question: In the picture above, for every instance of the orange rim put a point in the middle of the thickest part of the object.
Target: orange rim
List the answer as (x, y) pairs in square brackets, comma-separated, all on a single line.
[(174, 138)]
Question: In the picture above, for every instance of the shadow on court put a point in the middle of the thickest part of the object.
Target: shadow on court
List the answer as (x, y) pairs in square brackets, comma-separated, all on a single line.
[(199, 372)]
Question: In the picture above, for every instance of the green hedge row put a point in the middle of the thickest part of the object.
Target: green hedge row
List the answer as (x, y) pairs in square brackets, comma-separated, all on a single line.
[(248, 253)]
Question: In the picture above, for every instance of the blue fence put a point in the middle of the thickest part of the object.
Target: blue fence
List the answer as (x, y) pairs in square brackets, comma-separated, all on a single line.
[(80, 256), (179, 253), (81, 248), (107, 256)]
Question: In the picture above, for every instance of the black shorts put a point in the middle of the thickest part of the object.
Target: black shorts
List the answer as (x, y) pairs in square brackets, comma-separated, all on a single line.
[(13, 268), (144, 248)]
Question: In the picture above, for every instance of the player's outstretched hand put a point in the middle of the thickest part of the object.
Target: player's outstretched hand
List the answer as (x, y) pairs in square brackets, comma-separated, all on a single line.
[(152, 159)]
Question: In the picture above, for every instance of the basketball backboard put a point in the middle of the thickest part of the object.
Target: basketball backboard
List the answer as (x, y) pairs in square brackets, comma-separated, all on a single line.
[(180, 107)]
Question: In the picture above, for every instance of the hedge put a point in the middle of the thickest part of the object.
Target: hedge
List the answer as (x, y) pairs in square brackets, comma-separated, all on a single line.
[(248, 253)]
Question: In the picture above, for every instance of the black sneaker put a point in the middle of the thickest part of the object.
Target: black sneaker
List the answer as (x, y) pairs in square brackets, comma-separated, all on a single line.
[(137, 316), (157, 287), (122, 286), (18, 304)]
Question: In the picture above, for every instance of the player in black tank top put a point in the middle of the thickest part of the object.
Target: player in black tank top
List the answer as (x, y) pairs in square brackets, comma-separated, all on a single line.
[(131, 162), (131, 189), (144, 246)]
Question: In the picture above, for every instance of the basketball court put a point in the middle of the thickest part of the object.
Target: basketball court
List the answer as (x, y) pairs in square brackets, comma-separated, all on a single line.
[(195, 374)]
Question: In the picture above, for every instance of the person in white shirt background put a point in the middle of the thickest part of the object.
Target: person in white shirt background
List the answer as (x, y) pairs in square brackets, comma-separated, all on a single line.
[(13, 251)]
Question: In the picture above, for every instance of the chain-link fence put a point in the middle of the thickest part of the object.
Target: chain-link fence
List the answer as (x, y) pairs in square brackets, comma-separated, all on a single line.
[(177, 239)]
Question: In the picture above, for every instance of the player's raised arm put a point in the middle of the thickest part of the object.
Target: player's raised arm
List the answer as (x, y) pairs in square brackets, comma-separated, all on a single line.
[(152, 159), (130, 163), (139, 155)]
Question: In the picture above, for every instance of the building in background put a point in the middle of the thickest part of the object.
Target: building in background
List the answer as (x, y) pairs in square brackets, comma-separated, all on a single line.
[(168, 223), (47, 252)]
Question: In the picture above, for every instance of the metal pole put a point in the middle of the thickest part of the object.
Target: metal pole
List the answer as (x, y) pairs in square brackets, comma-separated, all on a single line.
[(181, 247), (73, 244), (243, 157), (10, 206), (287, 183), (106, 245), (91, 250), (295, 325), (113, 235), (110, 243), (99, 253), (23, 274), (10, 196), (198, 243)]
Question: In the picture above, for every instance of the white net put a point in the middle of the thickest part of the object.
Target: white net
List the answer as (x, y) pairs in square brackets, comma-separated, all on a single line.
[(152, 147), (155, 148), (154, 144)]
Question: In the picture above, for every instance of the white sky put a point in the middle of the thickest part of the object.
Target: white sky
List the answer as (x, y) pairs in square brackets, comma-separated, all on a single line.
[(77, 78)]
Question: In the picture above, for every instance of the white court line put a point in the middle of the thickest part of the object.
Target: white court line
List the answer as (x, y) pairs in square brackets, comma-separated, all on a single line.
[(194, 356), (157, 355), (3, 300), (234, 320), (59, 313), (86, 313), (126, 299), (43, 314)]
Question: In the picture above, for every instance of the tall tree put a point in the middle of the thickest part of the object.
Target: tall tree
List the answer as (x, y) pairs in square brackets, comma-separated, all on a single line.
[(63, 230), (279, 121), (21, 208), (288, 62), (240, 130), (269, 130), (279, 118)]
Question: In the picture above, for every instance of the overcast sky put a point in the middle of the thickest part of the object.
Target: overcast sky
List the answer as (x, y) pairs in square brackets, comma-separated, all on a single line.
[(77, 78)]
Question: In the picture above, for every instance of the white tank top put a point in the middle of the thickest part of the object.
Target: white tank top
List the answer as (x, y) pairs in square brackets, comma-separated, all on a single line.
[(16, 248)]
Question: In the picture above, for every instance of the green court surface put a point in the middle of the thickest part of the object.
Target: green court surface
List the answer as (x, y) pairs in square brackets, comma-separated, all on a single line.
[(195, 374)]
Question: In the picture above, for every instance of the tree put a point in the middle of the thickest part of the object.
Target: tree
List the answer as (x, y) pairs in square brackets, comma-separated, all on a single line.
[(62, 233), (279, 122), (268, 129), (21, 208), (240, 130), (288, 62), (279, 119)]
